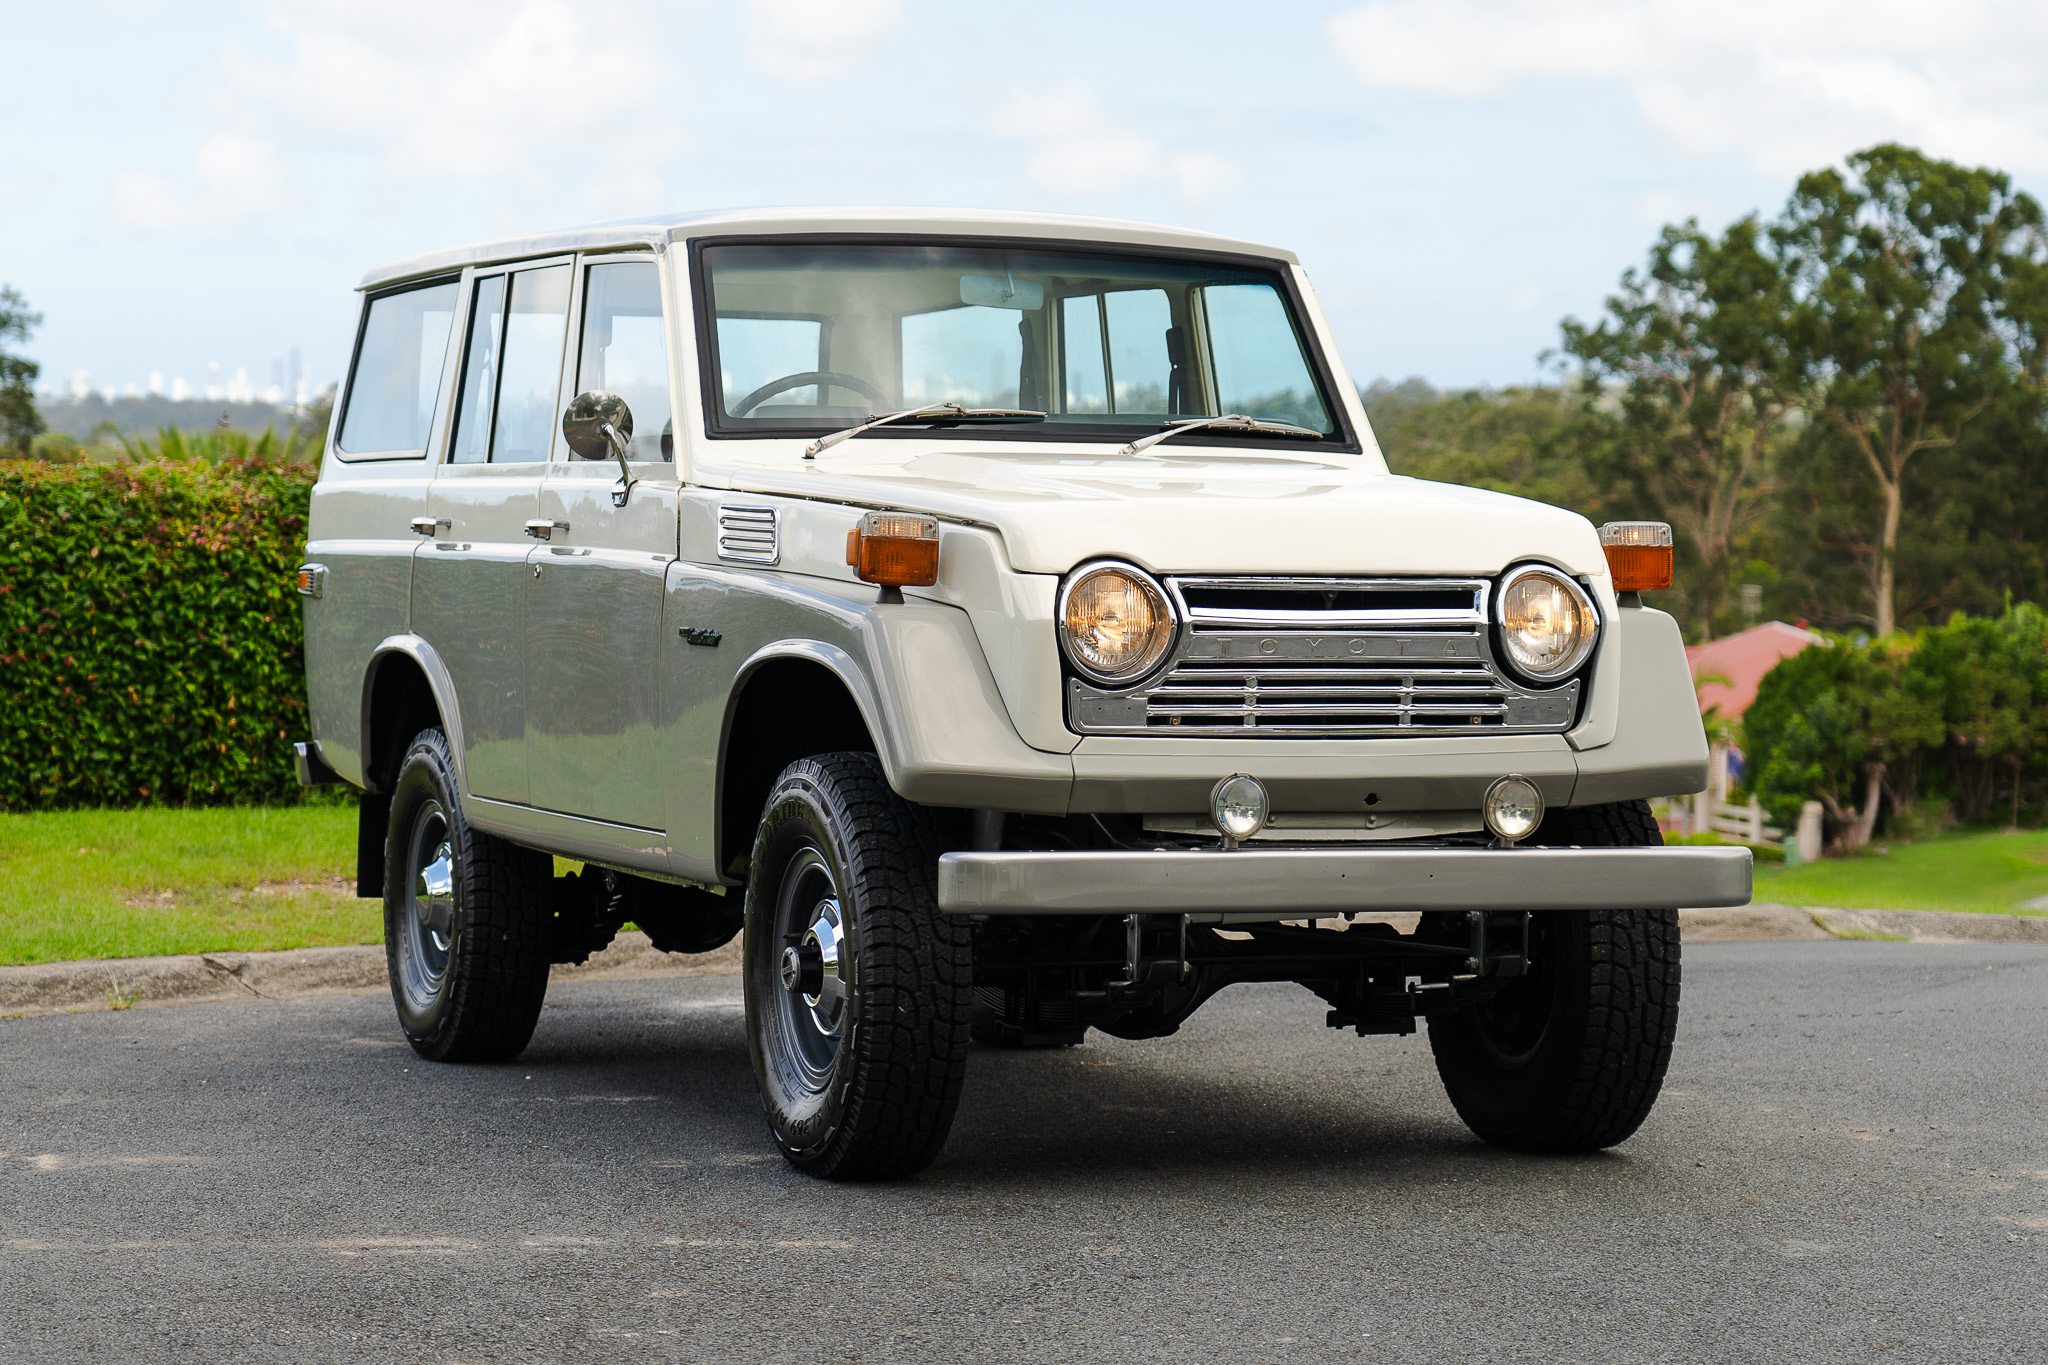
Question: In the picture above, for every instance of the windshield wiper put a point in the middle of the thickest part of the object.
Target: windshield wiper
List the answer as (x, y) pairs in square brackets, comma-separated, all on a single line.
[(1236, 421), (930, 412)]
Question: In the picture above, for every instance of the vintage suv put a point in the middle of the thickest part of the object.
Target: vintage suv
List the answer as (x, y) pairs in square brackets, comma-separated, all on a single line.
[(1008, 624)]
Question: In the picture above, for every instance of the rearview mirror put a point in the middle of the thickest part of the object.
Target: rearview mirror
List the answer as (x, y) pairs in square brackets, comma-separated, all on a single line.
[(588, 415), (1000, 291), (597, 424)]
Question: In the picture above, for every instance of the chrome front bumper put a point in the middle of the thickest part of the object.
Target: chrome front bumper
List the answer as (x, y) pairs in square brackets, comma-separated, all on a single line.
[(1255, 884)]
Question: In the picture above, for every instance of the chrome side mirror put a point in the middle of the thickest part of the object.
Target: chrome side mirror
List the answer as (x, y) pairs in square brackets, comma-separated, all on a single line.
[(597, 424)]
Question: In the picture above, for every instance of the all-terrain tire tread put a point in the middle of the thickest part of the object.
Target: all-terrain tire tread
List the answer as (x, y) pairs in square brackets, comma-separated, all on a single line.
[(915, 999), (500, 978), (1631, 1020)]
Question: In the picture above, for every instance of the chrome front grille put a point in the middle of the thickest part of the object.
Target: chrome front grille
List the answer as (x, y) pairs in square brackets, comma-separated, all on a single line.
[(1309, 658)]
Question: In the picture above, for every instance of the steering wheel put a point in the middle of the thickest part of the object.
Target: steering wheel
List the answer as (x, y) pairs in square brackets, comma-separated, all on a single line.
[(804, 381)]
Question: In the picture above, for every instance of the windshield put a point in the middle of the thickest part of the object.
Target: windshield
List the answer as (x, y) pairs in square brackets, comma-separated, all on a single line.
[(810, 338)]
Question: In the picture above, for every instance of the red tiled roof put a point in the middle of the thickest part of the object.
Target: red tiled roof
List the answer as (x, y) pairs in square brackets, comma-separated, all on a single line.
[(1743, 660)]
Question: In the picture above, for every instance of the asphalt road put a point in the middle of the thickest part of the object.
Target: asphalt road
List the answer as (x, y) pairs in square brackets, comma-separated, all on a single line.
[(1850, 1162)]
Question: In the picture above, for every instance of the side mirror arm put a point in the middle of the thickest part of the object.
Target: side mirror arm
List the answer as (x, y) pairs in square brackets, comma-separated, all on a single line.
[(624, 488)]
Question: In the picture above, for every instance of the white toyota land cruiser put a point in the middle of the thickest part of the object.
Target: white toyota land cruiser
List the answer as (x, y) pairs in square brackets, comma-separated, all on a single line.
[(1008, 624)]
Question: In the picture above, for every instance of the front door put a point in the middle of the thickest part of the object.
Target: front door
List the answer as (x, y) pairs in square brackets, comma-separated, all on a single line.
[(469, 579), (594, 590)]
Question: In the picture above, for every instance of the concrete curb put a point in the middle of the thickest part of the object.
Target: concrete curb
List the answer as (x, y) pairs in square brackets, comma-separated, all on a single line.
[(1766, 921), (297, 973)]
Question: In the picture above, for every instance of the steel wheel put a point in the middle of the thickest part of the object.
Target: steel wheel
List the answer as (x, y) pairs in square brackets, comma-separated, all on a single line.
[(468, 922), (808, 1022), (426, 941), (858, 989)]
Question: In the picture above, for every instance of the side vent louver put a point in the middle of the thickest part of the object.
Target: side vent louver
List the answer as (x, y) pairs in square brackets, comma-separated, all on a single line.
[(749, 534)]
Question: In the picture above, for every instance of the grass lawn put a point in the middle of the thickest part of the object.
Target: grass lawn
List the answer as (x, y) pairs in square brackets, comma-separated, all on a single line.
[(132, 883), (1992, 872)]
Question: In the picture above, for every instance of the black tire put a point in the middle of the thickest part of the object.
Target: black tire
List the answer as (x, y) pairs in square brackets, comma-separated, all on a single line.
[(1571, 1057), (859, 1081), (468, 923)]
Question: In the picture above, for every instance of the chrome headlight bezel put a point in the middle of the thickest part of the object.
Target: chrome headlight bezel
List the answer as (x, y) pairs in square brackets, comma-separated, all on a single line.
[(1581, 651), (1147, 663)]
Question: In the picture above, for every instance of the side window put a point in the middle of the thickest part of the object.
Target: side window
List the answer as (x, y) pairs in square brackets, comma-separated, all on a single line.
[(1139, 363), (969, 355), (512, 374), (397, 378), (1087, 382), (472, 441), (625, 350), (753, 351), (1143, 367), (1257, 362)]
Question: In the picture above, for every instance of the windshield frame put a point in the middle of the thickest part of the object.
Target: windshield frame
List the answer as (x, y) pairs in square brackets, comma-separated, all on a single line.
[(1342, 438)]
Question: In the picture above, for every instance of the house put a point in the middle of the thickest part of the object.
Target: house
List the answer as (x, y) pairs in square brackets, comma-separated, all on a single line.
[(1734, 665)]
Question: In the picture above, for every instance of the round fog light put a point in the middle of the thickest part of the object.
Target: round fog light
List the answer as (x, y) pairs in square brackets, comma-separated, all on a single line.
[(1513, 808), (1238, 805)]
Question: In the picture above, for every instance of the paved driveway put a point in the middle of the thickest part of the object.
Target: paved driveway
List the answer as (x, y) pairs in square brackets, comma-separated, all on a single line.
[(1850, 1163)]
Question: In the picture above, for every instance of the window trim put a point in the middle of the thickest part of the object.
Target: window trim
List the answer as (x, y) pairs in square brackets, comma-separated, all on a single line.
[(560, 456), (571, 319), (370, 300), (1342, 438)]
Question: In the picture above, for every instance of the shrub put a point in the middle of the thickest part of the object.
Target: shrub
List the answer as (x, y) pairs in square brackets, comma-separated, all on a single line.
[(1954, 717), (149, 631)]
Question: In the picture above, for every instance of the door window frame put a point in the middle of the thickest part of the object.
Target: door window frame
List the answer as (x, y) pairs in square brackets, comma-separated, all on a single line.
[(572, 359), (449, 359), (472, 276)]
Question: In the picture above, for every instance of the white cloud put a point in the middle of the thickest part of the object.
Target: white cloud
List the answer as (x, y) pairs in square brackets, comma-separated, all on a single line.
[(1080, 146), (549, 93), (806, 41), (1524, 297), (234, 176), (1787, 84)]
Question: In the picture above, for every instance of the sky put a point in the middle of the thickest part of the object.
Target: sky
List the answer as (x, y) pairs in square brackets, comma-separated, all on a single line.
[(203, 183)]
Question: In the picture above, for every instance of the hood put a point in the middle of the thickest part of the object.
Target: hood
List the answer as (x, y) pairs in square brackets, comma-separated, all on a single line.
[(1193, 510)]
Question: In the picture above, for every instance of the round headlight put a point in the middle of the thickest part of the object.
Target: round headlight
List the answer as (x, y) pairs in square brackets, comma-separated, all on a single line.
[(1546, 622), (1115, 622)]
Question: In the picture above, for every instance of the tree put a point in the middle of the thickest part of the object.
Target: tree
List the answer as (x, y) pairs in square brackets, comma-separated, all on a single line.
[(1695, 343), (20, 423), (1899, 270), (1835, 720)]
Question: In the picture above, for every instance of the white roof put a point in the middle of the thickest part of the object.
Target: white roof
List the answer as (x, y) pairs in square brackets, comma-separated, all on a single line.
[(663, 228)]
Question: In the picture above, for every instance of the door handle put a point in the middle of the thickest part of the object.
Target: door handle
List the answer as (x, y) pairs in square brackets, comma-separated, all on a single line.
[(545, 530), (426, 526)]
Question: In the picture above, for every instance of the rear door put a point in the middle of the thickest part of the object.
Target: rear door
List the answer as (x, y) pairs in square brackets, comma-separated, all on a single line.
[(373, 483), (594, 590), (469, 579)]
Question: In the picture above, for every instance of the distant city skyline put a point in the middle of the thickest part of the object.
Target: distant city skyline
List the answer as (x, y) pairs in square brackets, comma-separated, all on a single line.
[(1456, 175), (289, 383)]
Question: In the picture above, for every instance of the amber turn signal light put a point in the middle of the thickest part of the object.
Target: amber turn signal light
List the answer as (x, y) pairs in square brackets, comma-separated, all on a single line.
[(1638, 554), (895, 549)]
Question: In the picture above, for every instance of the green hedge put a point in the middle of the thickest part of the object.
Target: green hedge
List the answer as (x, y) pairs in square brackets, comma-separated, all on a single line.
[(1952, 721), (150, 632)]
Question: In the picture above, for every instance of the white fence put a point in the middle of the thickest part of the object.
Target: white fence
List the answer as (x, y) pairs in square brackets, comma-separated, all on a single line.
[(1701, 814)]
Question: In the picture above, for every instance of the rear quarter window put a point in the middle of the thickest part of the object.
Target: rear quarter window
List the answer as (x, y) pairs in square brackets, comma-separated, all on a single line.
[(397, 377)]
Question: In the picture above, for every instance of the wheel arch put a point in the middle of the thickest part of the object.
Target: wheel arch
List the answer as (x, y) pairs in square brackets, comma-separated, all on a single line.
[(790, 700), (406, 688)]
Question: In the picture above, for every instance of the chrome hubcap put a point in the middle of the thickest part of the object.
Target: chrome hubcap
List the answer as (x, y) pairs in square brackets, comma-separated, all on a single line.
[(811, 970), (426, 942), (816, 969)]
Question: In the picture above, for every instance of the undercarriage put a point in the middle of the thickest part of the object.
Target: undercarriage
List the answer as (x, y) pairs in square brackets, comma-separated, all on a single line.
[(1046, 981)]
